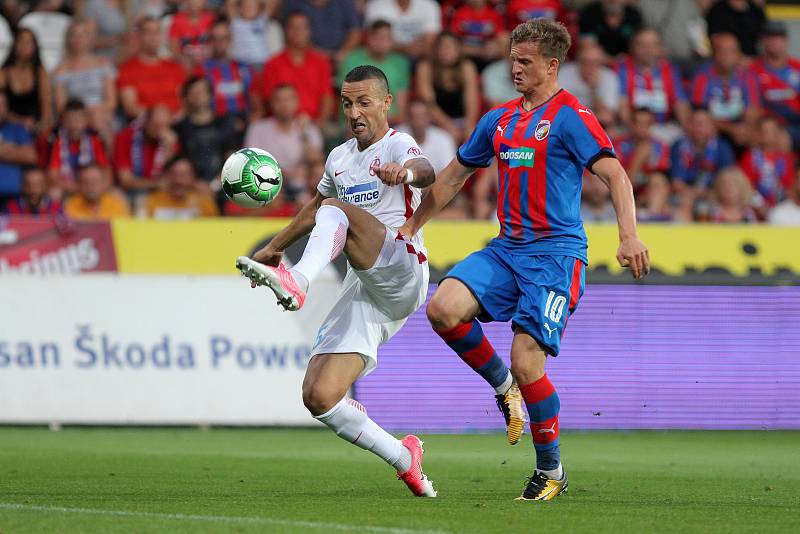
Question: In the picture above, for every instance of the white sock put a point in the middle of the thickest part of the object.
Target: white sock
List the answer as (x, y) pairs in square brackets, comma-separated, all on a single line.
[(325, 243), (349, 420), (554, 474), (505, 386)]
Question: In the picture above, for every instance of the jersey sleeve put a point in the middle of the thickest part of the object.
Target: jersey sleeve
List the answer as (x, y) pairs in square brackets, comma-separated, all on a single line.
[(584, 138), (326, 187), (478, 150), (403, 147)]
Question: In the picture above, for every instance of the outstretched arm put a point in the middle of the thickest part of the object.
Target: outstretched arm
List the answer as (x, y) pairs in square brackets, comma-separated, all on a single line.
[(449, 182), (632, 252), (302, 224)]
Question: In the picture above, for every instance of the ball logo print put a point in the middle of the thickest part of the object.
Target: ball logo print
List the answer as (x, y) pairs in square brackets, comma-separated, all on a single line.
[(251, 177)]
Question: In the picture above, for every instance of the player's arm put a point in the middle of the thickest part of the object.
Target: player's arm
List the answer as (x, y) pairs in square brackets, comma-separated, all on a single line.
[(419, 170), (447, 185), (301, 225), (632, 252)]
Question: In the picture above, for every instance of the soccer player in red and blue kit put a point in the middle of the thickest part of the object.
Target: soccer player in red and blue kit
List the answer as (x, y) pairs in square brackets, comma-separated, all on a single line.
[(533, 272)]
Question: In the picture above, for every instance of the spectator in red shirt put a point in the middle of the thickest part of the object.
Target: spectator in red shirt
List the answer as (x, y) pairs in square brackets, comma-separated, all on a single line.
[(640, 152), (302, 67), (34, 199), (148, 80), (769, 165), (189, 33), (519, 11), (142, 149), (480, 28), (74, 145)]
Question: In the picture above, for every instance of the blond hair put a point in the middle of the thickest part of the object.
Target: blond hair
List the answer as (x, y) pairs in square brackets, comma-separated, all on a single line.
[(550, 37)]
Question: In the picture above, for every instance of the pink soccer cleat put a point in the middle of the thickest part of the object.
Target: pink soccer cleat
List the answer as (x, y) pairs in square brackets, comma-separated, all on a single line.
[(414, 478), (278, 279)]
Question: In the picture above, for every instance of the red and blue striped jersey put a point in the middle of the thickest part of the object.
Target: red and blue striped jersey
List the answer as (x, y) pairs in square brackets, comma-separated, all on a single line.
[(541, 155), (779, 89), (659, 153), (231, 83), (725, 99), (657, 89)]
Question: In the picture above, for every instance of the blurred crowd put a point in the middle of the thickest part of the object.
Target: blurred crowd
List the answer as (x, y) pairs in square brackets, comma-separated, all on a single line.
[(129, 107)]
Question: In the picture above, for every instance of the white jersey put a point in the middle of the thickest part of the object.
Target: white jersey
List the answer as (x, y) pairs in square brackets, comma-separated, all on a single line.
[(350, 177)]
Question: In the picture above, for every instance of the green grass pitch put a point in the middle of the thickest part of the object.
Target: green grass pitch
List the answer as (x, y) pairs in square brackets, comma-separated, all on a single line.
[(254, 480)]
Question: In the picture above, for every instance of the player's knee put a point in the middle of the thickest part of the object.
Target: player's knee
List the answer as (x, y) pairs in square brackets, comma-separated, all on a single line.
[(320, 399), (440, 314), (333, 202)]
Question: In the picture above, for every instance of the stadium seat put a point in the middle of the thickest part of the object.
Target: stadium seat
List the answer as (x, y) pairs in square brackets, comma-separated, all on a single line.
[(50, 29)]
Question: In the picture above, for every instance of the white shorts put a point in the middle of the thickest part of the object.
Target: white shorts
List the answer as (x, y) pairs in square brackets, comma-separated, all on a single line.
[(374, 304)]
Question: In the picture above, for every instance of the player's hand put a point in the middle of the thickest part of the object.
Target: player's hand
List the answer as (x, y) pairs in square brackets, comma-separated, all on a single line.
[(268, 256), (392, 173), (633, 254)]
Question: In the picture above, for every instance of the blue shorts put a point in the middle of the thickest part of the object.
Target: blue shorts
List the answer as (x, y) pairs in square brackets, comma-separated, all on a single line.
[(536, 293)]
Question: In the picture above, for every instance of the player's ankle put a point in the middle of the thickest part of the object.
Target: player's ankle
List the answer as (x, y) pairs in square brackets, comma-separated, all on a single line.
[(302, 281)]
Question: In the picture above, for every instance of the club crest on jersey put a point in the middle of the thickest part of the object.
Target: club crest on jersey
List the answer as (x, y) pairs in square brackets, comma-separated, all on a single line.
[(517, 157), (374, 166), (542, 129)]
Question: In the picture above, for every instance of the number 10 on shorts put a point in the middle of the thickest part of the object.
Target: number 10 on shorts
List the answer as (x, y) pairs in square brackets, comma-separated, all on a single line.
[(554, 308)]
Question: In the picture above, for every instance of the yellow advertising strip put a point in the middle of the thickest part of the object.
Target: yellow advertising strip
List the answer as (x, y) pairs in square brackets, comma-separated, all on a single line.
[(784, 12), (210, 246)]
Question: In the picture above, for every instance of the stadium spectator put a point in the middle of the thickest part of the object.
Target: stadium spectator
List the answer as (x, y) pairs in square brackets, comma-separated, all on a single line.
[(696, 159), (109, 21), (255, 38), (647, 80), (449, 83), (681, 26), (206, 138), (94, 198), (73, 145), (594, 84), (654, 200), (778, 79), (86, 76), (498, 87), (307, 70), (189, 33), (787, 213), (769, 164), (181, 196), (34, 199), (481, 30), (519, 11), (743, 18), (731, 198), (415, 23), (293, 139), (335, 28), (148, 80), (728, 90), (142, 149), (641, 153), (232, 81), (612, 23), (25, 83), (436, 143), (596, 204), (378, 51), (16, 150)]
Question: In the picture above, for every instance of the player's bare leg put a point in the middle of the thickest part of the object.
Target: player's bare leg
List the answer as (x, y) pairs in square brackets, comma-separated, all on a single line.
[(527, 365), (452, 311), (327, 380), (339, 227)]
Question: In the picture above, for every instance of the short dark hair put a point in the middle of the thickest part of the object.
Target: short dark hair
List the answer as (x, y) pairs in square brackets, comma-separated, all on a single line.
[(187, 85), (367, 72), (379, 25), (74, 104), (177, 158)]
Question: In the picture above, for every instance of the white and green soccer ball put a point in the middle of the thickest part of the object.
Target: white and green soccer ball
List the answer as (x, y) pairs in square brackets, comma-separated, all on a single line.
[(251, 177)]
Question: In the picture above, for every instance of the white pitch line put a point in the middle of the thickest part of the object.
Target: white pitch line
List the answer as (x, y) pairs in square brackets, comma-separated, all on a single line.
[(219, 519)]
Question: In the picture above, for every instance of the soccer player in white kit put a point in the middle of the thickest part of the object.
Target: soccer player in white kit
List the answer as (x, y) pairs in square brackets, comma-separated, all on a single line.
[(371, 186)]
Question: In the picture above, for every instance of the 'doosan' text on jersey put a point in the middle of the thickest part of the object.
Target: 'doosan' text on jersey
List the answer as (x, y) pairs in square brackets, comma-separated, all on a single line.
[(541, 155)]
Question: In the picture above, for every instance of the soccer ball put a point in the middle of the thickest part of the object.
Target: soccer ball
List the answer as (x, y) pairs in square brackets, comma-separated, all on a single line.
[(251, 177)]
